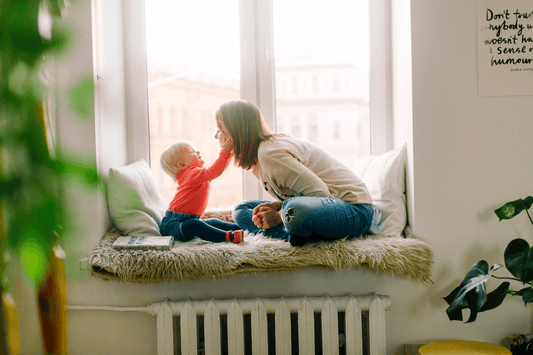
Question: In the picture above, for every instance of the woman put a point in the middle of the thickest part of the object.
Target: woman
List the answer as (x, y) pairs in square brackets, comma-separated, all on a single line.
[(318, 197)]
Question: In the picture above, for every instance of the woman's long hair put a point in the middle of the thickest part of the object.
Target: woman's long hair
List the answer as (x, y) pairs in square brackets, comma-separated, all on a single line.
[(246, 125)]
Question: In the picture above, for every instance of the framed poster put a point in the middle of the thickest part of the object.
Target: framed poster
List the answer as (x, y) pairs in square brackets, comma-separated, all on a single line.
[(505, 47)]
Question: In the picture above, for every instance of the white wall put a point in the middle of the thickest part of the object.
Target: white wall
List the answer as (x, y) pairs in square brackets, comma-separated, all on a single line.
[(468, 155), (471, 155)]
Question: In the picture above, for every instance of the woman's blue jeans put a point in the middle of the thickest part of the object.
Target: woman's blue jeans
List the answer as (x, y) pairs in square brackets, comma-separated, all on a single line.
[(312, 218)]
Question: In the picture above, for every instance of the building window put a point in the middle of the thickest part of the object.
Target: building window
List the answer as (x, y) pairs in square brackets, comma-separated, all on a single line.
[(336, 82), (294, 84), (313, 133), (316, 89), (158, 121), (173, 121), (295, 130), (337, 130)]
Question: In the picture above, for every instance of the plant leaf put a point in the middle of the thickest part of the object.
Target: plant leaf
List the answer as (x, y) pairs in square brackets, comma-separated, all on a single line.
[(519, 259), (82, 96), (471, 293), (7, 187), (496, 297), (513, 208), (527, 295), (82, 169)]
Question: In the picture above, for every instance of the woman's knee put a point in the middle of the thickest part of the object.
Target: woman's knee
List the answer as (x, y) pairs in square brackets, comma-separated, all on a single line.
[(244, 209), (242, 206), (295, 209), (238, 211), (294, 214)]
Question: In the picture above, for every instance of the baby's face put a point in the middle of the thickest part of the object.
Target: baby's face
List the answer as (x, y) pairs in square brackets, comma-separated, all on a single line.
[(189, 154)]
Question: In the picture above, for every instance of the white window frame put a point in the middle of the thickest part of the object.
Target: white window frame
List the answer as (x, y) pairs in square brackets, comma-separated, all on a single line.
[(257, 66), (381, 118), (136, 81)]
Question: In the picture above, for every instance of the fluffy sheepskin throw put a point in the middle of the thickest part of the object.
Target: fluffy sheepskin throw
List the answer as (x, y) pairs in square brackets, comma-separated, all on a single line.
[(409, 257)]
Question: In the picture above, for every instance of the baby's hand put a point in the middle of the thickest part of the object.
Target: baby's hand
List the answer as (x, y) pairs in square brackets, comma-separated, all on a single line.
[(257, 220), (266, 215), (228, 146)]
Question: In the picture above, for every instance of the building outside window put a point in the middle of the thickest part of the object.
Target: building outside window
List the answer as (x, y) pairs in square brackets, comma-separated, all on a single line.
[(197, 59), (313, 133)]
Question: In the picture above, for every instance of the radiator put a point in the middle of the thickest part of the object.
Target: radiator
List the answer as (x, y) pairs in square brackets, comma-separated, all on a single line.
[(274, 325)]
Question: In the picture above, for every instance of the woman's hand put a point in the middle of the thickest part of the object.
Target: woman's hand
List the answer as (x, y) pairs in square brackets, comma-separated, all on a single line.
[(266, 215)]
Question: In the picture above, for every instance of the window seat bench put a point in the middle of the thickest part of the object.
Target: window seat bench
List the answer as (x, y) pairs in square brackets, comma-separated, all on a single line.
[(136, 207), (408, 256)]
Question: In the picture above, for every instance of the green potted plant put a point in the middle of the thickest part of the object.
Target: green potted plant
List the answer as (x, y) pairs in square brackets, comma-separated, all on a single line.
[(518, 257)]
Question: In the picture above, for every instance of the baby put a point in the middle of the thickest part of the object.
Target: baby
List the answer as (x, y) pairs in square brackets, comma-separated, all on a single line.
[(182, 219)]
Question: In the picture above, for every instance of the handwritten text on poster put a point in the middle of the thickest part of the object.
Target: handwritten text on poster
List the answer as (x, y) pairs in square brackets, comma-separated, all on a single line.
[(505, 47)]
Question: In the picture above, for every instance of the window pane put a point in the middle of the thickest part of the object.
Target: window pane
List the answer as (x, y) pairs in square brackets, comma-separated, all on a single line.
[(193, 67), (322, 74)]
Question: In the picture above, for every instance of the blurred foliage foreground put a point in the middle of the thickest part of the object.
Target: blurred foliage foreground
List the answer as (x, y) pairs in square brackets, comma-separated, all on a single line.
[(32, 179), (34, 219)]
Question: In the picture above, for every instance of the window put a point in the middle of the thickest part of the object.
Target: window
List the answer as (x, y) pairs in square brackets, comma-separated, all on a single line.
[(315, 83), (202, 53), (192, 50), (337, 131), (295, 130), (313, 133), (329, 43)]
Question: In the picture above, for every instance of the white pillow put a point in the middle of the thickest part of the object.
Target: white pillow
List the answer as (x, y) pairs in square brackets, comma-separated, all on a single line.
[(135, 203), (384, 176)]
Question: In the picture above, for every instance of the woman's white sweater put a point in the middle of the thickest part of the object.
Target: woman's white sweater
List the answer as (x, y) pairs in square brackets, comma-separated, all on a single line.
[(289, 167)]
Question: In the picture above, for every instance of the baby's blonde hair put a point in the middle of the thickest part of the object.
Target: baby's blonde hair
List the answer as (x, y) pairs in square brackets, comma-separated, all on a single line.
[(171, 157)]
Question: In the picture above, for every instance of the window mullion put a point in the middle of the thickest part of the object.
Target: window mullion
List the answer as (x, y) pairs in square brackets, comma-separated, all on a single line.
[(265, 62), (381, 76), (257, 72), (249, 84), (136, 81), (248, 54)]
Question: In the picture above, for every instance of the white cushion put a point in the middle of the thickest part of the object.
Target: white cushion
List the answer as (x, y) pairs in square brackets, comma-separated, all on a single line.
[(384, 176), (135, 203)]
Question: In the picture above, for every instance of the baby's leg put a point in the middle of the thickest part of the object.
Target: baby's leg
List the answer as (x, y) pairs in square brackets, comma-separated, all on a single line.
[(220, 224), (201, 229), (170, 226)]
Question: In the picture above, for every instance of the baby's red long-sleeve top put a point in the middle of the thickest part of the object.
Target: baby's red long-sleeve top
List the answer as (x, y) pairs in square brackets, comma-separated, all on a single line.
[(194, 183)]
